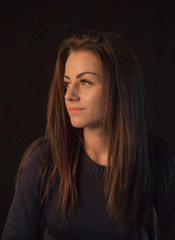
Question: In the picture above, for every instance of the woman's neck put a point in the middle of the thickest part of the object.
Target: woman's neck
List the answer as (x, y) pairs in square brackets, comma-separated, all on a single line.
[(96, 145)]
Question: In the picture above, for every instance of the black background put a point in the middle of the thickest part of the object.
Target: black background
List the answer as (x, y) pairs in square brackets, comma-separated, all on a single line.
[(30, 34)]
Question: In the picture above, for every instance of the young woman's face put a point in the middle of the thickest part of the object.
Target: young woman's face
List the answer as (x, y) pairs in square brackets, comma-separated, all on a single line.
[(83, 81)]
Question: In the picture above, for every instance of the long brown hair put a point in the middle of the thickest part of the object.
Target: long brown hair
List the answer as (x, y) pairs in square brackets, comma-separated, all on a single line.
[(127, 176)]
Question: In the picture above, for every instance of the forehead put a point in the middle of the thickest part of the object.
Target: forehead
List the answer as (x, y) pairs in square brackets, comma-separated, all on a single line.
[(83, 60)]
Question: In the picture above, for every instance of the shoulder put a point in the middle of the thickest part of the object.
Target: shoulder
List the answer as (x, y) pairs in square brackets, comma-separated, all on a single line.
[(33, 160), (35, 153), (163, 166), (27, 206)]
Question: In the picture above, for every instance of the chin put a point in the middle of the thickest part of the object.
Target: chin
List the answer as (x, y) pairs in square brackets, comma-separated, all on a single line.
[(78, 124)]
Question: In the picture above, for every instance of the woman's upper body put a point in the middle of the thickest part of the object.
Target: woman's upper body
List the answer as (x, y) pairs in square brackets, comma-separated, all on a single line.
[(98, 169), (91, 220)]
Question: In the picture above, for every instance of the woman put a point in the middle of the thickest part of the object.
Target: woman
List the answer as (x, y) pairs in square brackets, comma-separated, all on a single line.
[(98, 173)]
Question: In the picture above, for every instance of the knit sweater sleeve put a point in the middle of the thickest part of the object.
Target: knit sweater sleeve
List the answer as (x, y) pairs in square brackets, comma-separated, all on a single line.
[(166, 162), (25, 210)]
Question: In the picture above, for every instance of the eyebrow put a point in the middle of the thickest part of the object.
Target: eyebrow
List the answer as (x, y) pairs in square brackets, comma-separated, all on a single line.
[(81, 74)]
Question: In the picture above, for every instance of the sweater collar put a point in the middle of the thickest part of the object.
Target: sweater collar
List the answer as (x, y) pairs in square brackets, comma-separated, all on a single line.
[(87, 164)]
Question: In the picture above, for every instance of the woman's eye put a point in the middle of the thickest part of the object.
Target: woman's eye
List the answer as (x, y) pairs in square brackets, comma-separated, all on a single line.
[(82, 82), (66, 84), (86, 82)]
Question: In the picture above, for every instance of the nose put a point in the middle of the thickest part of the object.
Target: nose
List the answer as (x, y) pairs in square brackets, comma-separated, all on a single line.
[(72, 94)]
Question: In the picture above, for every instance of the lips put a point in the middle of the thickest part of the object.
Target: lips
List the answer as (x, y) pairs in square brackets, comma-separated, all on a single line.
[(75, 109)]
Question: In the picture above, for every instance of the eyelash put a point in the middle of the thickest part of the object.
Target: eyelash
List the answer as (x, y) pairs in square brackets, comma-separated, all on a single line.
[(85, 81), (66, 84)]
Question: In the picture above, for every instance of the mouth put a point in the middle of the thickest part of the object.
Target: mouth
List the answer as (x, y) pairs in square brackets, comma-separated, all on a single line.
[(76, 110)]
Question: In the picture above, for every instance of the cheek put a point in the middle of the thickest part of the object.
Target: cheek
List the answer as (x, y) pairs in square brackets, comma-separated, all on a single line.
[(95, 101)]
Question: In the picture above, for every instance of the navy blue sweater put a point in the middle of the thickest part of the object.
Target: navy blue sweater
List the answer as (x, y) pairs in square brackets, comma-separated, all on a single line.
[(91, 221)]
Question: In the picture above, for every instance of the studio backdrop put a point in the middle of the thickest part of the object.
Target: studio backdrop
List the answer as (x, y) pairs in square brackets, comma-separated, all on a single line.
[(31, 32)]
